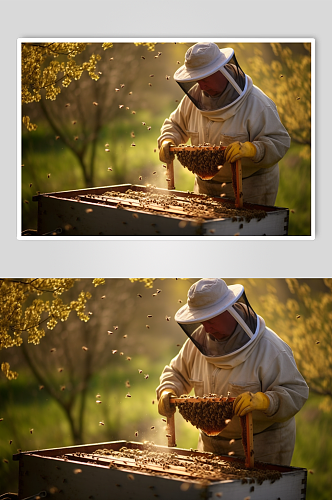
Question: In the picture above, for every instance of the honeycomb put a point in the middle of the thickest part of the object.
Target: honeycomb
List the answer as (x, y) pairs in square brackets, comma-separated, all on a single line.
[(203, 162)]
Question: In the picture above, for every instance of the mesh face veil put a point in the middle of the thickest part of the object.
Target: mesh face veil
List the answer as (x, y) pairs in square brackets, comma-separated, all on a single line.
[(231, 75), (247, 325)]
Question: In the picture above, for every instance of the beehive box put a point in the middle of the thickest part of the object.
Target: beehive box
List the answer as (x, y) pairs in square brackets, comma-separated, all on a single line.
[(84, 213), (72, 474)]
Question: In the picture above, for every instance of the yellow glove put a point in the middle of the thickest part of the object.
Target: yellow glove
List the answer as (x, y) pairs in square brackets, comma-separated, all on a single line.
[(165, 154), (164, 406), (238, 150), (248, 401)]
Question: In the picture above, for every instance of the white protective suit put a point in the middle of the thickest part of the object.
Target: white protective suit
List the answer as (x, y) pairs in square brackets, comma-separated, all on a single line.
[(266, 364), (251, 117)]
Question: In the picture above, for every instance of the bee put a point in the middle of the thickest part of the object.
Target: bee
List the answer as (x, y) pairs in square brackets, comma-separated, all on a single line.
[(212, 231), (317, 342), (180, 301), (26, 201), (168, 318), (53, 349), (57, 137), (298, 316), (133, 112), (41, 387), (88, 211), (128, 358), (178, 62), (293, 211), (76, 138), (63, 387), (151, 76), (298, 98), (149, 316), (67, 105), (48, 176), (147, 326), (116, 327), (135, 216), (177, 100), (122, 85), (10, 441), (95, 103), (132, 134), (232, 441), (84, 348), (98, 401), (103, 297), (74, 122), (311, 471), (150, 84), (125, 336), (107, 150), (140, 371), (159, 54), (281, 76), (131, 477), (143, 123), (133, 144), (109, 332), (146, 376), (77, 471), (101, 423), (130, 93), (114, 351), (128, 395), (60, 370), (127, 383), (31, 431), (121, 353), (168, 435), (142, 57), (110, 169), (5, 461), (111, 58), (178, 345), (152, 427), (120, 106), (98, 396), (149, 128), (139, 295)]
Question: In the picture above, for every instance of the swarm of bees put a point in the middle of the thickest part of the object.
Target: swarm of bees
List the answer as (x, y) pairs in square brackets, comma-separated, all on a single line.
[(203, 162), (207, 467), (210, 416)]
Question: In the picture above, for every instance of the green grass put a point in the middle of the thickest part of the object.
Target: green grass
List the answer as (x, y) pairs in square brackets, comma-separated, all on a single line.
[(295, 190), (43, 155), (25, 407)]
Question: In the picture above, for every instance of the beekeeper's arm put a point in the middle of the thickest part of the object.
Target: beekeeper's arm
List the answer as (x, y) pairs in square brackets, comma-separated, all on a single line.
[(268, 139), (175, 379), (284, 390), (174, 130)]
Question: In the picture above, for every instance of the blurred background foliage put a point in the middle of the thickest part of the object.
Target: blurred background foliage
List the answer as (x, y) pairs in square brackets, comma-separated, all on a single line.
[(52, 402), (124, 105)]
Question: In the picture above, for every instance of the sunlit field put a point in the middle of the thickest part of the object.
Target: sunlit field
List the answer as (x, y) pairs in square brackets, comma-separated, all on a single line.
[(58, 371), (123, 114)]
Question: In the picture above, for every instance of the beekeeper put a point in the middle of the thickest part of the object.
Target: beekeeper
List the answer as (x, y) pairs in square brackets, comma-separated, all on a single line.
[(230, 350), (222, 106)]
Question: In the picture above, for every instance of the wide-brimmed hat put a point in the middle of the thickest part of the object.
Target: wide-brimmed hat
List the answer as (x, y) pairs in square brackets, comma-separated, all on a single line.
[(207, 298), (201, 60)]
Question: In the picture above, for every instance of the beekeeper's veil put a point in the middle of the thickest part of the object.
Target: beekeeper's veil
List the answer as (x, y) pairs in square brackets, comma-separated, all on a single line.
[(207, 298), (205, 59)]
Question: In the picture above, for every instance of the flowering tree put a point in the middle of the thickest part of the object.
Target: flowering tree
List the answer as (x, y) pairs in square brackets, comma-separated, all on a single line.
[(24, 308)]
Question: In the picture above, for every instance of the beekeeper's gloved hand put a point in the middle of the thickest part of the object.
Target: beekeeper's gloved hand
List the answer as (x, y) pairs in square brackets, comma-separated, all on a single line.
[(164, 406), (248, 401), (238, 150), (165, 154)]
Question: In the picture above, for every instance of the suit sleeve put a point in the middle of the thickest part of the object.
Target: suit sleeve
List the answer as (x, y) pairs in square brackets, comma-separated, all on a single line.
[(177, 374)]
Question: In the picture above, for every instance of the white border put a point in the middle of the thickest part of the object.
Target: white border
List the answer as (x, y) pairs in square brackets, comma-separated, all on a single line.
[(161, 238)]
